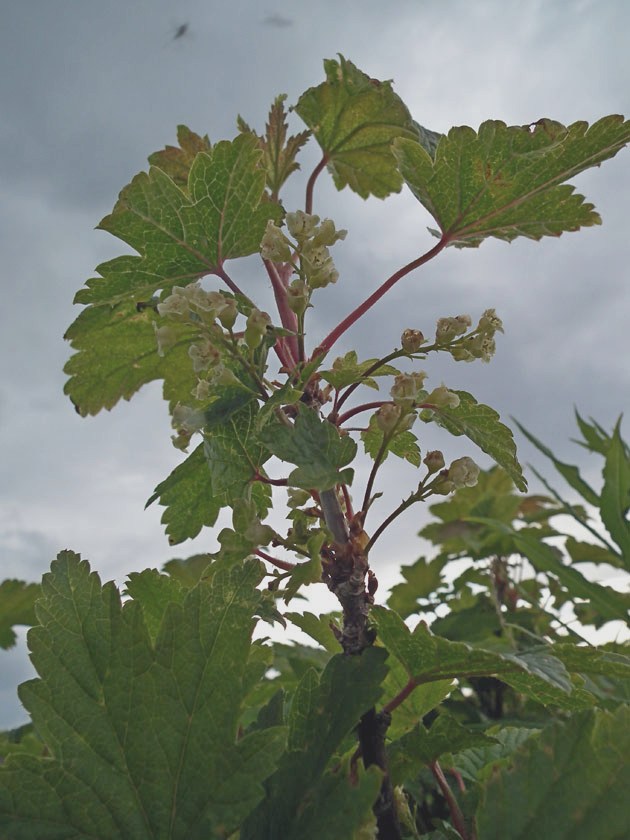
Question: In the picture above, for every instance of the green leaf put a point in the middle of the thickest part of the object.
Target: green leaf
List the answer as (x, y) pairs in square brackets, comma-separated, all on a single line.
[(610, 604), (188, 571), (421, 580), (480, 423), (472, 762), (583, 552), (422, 746), (17, 600), (176, 161), (323, 712), (570, 473), (279, 153), (315, 447), (234, 454), (141, 738), (422, 700), (117, 354), (615, 498), (347, 370), (592, 660), (154, 592), (188, 498), (595, 438), (428, 658), (354, 119), (317, 627), (507, 181), (403, 444), (572, 782)]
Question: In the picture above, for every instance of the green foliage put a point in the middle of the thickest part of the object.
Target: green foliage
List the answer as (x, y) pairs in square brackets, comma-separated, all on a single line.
[(130, 723), (572, 781), (508, 181), (158, 714), (17, 600)]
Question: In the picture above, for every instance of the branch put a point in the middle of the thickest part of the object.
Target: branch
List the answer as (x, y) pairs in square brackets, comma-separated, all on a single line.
[(288, 318), (347, 322), (351, 388), (357, 410)]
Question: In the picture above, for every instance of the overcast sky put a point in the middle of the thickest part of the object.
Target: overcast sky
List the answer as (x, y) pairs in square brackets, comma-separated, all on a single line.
[(89, 89)]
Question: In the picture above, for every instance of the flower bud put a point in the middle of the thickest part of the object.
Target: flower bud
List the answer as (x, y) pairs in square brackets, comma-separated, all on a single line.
[(165, 337), (257, 323), (449, 328), (443, 485), (227, 313), (407, 387), (433, 461), (412, 340), (274, 245), (443, 398), (463, 472), (388, 416), (186, 419), (298, 296), (301, 225)]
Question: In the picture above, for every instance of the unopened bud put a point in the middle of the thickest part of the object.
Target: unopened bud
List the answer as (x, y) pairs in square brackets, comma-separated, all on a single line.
[(298, 296), (388, 416), (227, 313), (407, 387), (441, 397), (434, 461), (412, 340), (256, 327), (274, 245)]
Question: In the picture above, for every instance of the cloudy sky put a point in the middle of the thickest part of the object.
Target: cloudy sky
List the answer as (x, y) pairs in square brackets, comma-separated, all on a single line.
[(88, 89)]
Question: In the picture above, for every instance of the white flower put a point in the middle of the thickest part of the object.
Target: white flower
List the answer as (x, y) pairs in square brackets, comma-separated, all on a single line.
[(407, 387), (274, 245), (463, 472), (443, 398), (449, 328), (301, 225)]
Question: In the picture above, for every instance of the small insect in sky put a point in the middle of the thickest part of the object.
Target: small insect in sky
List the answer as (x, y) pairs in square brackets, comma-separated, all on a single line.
[(180, 31), (278, 21)]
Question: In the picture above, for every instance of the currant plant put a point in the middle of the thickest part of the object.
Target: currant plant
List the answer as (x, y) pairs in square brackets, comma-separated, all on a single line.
[(157, 714)]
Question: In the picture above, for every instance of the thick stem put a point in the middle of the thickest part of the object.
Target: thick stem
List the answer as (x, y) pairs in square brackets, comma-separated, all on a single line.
[(281, 564), (372, 731), (349, 320), (357, 410)]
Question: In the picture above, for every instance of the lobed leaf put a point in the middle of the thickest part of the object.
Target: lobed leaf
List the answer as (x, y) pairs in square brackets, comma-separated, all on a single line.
[(481, 424), (348, 370), (571, 782), (176, 161), (315, 447), (354, 119), (421, 580), (279, 153), (141, 737), (325, 708), (188, 498), (507, 181), (428, 658)]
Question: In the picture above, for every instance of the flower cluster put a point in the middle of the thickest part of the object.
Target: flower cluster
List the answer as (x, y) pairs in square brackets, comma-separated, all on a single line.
[(192, 304), (478, 344), (309, 249)]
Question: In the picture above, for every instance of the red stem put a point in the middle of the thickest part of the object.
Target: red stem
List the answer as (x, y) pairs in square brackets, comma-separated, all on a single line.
[(310, 186), (349, 320), (357, 410), (288, 318), (447, 793), (402, 695), (281, 564)]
